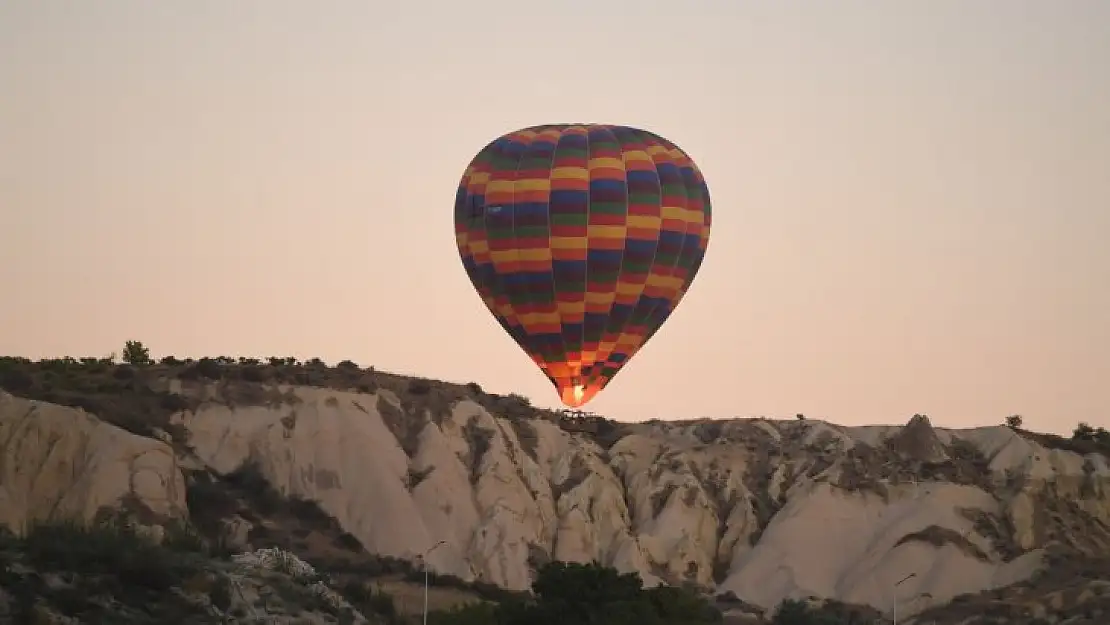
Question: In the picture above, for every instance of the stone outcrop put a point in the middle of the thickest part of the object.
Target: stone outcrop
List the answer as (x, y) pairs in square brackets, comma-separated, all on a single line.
[(918, 441), (762, 509), (62, 463)]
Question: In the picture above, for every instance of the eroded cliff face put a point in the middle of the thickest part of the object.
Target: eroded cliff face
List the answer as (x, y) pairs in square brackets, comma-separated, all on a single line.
[(62, 463), (763, 509)]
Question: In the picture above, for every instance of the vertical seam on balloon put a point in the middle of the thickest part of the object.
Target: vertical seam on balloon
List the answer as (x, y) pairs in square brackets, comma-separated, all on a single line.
[(497, 288), (703, 233), (673, 303), (680, 293), (514, 292), (598, 361), (620, 266), (464, 216), (637, 136), (645, 138), (706, 210), (586, 271), (551, 261), (524, 291), (583, 379), (649, 332), (499, 279), (685, 231), (486, 292), (557, 283)]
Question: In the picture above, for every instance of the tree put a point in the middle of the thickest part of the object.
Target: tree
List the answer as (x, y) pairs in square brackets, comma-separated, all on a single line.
[(678, 605), (209, 368), (519, 399), (1083, 432), (577, 591), (792, 612), (135, 354), (797, 612), (1014, 421), (592, 594)]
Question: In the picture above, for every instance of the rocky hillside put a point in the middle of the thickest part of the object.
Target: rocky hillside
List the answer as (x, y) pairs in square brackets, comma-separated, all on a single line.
[(350, 468), (110, 572)]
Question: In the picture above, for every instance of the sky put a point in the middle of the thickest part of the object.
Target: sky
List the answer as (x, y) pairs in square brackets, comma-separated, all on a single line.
[(911, 201)]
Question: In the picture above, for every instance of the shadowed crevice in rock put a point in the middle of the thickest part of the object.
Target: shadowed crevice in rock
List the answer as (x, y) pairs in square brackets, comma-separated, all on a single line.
[(940, 536)]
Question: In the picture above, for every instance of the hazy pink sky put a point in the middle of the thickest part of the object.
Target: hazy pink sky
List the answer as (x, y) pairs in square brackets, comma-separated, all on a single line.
[(911, 200)]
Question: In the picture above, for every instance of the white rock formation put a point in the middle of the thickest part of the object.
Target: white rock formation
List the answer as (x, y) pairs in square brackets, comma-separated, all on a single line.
[(62, 463), (765, 509), (671, 501)]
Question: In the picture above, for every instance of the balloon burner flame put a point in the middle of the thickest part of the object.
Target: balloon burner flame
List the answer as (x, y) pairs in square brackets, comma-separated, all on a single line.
[(579, 390)]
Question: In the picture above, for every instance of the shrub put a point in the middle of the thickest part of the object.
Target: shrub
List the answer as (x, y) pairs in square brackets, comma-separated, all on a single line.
[(134, 353), (1084, 432), (369, 602), (105, 549), (589, 593), (209, 368), (796, 612)]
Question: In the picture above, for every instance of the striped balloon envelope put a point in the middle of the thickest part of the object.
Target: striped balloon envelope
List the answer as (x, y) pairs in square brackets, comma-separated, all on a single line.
[(581, 240)]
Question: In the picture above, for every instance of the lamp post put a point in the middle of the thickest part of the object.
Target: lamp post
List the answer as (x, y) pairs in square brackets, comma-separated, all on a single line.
[(424, 561), (894, 594)]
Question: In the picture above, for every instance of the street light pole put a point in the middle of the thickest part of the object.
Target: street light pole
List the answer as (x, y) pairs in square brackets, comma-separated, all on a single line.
[(893, 596), (424, 561)]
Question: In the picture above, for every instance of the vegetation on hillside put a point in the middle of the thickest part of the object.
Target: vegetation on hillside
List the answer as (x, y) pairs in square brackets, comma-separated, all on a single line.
[(797, 612), (1084, 440), (110, 572), (302, 527), (588, 593), (131, 391), (134, 392)]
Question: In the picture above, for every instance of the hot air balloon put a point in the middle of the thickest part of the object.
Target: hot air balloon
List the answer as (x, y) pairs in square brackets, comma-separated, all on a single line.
[(581, 239)]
